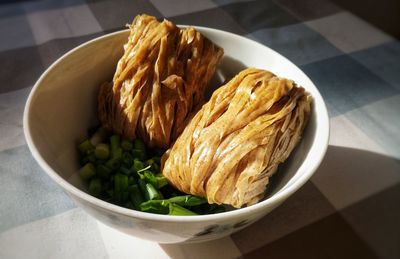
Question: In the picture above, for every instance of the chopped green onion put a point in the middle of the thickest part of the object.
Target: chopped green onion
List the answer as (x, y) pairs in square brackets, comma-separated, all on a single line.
[(114, 143), (135, 195), (91, 158), (85, 147), (188, 200), (87, 171), (125, 170), (143, 189), (102, 151), (143, 169), (113, 163), (131, 180), (217, 209), (139, 154), (126, 145), (156, 181), (209, 208), (103, 171), (127, 159), (120, 182), (176, 210), (155, 206), (95, 187), (138, 144), (154, 166), (121, 187), (137, 165), (117, 153), (150, 161), (153, 193)]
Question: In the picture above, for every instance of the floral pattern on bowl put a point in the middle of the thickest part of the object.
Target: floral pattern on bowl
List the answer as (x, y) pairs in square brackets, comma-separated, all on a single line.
[(222, 228)]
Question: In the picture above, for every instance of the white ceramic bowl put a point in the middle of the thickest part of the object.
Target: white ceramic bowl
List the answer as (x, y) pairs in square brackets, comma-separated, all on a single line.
[(62, 106)]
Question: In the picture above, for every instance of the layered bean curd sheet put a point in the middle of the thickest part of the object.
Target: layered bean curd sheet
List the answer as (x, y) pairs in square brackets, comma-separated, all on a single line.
[(234, 144), (160, 79), (227, 150)]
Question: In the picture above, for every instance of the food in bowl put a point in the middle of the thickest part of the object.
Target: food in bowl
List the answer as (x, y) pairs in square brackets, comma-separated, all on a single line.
[(234, 144), (127, 174), (227, 151), (159, 81)]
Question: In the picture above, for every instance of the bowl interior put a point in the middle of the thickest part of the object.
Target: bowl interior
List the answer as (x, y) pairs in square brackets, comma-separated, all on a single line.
[(62, 104)]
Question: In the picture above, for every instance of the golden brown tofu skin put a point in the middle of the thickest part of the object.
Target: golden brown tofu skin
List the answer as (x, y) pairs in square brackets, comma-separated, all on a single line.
[(159, 80), (238, 138)]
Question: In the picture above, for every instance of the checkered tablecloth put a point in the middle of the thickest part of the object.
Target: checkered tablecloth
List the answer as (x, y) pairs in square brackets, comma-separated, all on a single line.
[(349, 209)]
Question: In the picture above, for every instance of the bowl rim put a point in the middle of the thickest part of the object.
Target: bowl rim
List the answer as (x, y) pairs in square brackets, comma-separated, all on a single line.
[(317, 151)]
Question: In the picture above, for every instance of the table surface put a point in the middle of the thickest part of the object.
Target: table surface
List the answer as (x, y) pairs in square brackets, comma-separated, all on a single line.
[(349, 209)]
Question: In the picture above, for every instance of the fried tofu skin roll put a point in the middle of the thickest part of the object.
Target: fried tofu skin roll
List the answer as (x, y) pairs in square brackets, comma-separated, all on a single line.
[(159, 80), (235, 142)]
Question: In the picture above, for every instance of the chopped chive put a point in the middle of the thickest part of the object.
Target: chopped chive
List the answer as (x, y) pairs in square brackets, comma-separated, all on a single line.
[(120, 182), (117, 153), (103, 171), (87, 171), (131, 180), (217, 209), (150, 161), (138, 144), (154, 166), (113, 163), (139, 154), (143, 169), (95, 187), (135, 196), (126, 145), (127, 159), (114, 142), (155, 206), (91, 158), (188, 200), (158, 181), (125, 170), (102, 151), (121, 187), (176, 210), (85, 147), (137, 165), (153, 193), (143, 189)]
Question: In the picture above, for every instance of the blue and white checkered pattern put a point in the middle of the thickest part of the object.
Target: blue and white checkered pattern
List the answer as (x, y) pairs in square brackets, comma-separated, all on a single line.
[(349, 209)]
